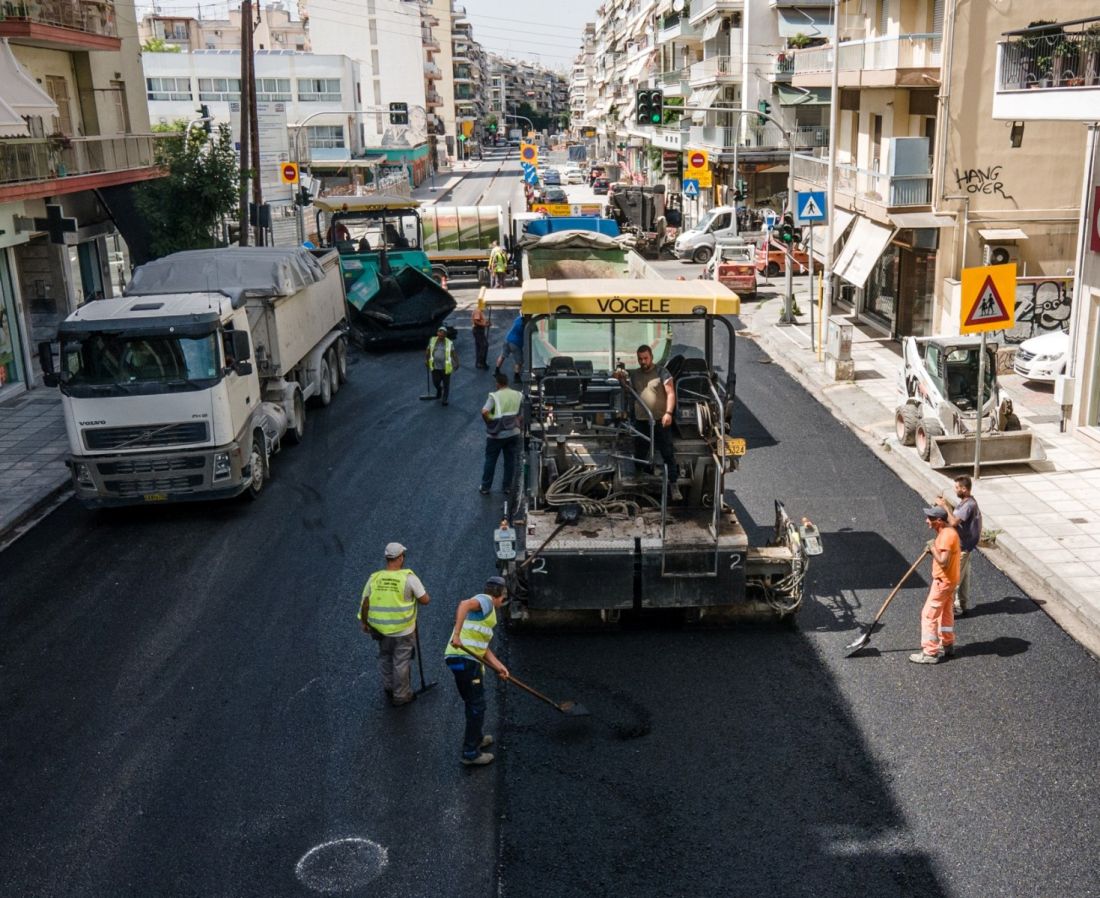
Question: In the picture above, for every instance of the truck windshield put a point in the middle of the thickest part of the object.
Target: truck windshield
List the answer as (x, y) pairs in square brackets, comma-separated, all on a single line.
[(99, 364), (366, 233)]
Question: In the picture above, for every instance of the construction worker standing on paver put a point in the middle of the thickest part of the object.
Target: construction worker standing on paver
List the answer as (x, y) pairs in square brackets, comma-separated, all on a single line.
[(966, 518), (388, 613), (503, 416), (498, 265), (513, 347), (937, 618), (467, 654)]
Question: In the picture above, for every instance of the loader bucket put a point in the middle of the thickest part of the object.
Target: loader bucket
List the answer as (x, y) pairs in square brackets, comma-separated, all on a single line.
[(1019, 447)]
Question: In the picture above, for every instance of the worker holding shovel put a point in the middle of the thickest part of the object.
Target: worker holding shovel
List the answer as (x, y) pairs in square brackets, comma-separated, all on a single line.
[(937, 618), (467, 654)]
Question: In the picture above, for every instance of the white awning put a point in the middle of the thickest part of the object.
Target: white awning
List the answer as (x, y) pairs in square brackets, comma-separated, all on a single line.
[(841, 219), (995, 235), (637, 66), (21, 93), (810, 22), (11, 124), (921, 220), (862, 251), (703, 96), (711, 29)]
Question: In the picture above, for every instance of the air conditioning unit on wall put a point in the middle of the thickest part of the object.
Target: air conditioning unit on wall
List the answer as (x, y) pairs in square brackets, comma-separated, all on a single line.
[(1003, 253)]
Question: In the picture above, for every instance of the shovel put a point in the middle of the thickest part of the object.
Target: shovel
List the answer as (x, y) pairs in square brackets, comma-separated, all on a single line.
[(866, 637), (429, 395), (570, 708), (424, 687)]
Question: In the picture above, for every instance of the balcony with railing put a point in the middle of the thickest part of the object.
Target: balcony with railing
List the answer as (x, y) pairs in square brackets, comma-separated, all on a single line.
[(432, 72), (701, 10), (1049, 72), (676, 26), (754, 137), (716, 70), (783, 70), (675, 84), (36, 167), (61, 24), (865, 186), (896, 60)]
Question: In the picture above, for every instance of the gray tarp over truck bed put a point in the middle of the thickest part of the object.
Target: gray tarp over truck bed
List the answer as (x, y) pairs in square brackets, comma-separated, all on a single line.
[(569, 255)]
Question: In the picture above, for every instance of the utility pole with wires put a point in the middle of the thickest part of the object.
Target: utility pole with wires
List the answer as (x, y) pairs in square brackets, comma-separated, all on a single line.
[(254, 123), (246, 112)]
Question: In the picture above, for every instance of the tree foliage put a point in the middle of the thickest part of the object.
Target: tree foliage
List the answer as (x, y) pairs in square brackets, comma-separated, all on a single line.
[(182, 210), (159, 45)]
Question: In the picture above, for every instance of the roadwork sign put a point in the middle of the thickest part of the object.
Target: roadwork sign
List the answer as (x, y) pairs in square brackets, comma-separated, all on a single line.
[(988, 298), (529, 153), (288, 172), (696, 160)]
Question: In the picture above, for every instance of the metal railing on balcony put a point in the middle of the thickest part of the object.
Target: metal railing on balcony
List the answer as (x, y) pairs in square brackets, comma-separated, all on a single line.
[(754, 136), (1052, 56), (43, 159), (90, 16), (716, 67), (702, 9), (872, 186), (906, 51), (784, 64)]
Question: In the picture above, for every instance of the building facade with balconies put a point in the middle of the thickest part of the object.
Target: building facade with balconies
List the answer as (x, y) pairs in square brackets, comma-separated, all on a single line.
[(925, 180), (74, 142), (275, 29), (1047, 76)]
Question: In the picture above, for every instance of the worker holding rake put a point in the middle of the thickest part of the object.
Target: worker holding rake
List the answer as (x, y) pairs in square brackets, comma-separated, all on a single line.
[(938, 615)]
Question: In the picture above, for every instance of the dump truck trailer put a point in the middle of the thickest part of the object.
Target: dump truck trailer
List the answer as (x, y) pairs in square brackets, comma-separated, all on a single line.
[(458, 239), (591, 529), (185, 387), (568, 254)]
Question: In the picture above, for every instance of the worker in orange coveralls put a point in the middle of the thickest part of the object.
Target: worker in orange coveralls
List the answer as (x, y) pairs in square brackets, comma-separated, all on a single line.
[(937, 618)]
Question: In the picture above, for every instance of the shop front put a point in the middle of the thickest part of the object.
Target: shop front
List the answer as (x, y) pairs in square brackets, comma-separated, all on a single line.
[(12, 345)]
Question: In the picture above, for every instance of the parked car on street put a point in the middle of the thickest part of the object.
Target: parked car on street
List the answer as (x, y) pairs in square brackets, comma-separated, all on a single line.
[(551, 177), (555, 195), (1042, 358), (575, 176), (600, 185)]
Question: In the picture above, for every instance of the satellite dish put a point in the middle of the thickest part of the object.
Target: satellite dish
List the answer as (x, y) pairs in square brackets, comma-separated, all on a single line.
[(678, 5)]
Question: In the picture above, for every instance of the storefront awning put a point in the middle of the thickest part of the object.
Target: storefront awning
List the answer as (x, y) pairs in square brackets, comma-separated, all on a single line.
[(841, 219), (11, 123), (921, 220), (703, 96), (638, 66), (810, 22), (800, 96), (711, 29), (21, 93), (862, 251), (994, 235)]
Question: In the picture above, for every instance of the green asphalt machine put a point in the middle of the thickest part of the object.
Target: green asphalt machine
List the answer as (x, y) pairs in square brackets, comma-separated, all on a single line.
[(592, 531)]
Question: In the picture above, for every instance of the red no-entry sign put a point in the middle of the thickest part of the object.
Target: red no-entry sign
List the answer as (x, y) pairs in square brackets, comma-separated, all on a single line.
[(697, 159), (288, 171)]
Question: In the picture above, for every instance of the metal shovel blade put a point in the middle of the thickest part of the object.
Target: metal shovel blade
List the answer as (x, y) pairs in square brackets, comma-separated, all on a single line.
[(854, 647), (573, 709)]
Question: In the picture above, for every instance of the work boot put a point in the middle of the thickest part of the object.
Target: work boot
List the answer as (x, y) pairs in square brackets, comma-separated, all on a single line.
[(486, 741), (484, 490), (959, 610), (479, 760), (674, 493), (922, 658), (949, 651)]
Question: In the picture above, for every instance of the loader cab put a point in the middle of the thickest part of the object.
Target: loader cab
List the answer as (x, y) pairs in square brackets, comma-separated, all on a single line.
[(952, 369)]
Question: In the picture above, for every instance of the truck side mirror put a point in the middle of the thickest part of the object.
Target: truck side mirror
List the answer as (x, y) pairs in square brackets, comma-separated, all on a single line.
[(45, 360), (242, 352)]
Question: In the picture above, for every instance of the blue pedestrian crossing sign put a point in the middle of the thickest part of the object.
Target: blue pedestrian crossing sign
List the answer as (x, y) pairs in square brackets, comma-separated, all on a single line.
[(691, 187), (770, 218), (810, 206)]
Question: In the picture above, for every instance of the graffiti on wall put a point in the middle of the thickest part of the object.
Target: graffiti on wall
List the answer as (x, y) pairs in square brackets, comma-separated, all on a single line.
[(982, 180), (1040, 307)]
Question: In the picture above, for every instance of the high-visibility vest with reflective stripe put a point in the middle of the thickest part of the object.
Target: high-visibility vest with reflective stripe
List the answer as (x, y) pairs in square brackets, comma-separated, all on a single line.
[(507, 404), (498, 261), (447, 346), (389, 612), (475, 635)]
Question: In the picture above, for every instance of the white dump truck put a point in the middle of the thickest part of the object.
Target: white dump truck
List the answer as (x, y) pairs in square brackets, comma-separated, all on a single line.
[(186, 386)]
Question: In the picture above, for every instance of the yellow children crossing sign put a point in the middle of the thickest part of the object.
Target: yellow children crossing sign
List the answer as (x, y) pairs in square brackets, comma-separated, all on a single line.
[(988, 298)]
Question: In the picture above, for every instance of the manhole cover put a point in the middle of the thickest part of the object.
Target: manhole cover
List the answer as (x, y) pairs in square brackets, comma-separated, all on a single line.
[(341, 865)]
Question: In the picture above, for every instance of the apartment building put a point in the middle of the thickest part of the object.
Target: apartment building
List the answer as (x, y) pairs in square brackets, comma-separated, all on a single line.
[(470, 75), (74, 142), (926, 182), (275, 30), (1046, 75), (513, 83)]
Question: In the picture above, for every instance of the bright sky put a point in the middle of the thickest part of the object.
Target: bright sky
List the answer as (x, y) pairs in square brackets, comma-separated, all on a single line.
[(548, 33)]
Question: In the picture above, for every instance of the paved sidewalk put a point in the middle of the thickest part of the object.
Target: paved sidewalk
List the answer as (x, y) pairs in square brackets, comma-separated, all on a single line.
[(32, 451), (1049, 519)]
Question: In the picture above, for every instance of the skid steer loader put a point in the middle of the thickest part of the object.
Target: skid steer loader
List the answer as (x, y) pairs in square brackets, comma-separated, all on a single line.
[(938, 406)]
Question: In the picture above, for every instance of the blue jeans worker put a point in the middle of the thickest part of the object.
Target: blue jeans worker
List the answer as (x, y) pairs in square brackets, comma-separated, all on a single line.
[(513, 348), (503, 416), (467, 654), (387, 612)]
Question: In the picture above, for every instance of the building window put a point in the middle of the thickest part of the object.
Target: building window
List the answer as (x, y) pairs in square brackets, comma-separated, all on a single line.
[(325, 137), (219, 88), (168, 88), (319, 90), (273, 90)]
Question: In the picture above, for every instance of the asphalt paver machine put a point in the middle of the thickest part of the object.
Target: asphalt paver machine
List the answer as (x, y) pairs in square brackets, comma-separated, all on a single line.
[(593, 529)]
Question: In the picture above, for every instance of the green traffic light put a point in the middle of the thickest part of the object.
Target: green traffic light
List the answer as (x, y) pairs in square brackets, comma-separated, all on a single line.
[(655, 118)]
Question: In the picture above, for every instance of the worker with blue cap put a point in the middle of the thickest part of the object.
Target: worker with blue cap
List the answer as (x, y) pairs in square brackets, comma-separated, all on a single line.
[(467, 654)]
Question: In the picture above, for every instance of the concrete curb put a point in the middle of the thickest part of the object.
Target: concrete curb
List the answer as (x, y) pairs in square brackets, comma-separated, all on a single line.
[(1051, 593), (12, 524)]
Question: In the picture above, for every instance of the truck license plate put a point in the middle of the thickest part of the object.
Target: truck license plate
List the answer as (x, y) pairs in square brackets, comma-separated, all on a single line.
[(735, 446), (155, 497)]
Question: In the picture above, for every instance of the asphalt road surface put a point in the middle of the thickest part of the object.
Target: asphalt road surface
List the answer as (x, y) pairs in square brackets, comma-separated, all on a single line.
[(188, 706)]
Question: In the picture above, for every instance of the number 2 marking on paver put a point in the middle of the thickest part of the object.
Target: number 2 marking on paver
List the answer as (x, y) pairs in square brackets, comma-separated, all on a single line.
[(735, 560), (538, 566)]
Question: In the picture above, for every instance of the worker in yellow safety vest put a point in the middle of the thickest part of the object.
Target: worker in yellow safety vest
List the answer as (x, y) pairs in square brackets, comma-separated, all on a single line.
[(388, 613), (498, 264), (467, 654), (442, 360), (503, 416)]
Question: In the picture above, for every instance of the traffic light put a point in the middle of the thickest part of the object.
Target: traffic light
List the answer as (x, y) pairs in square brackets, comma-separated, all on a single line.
[(492, 127), (207, 124), (649, 106), (765, 107), (399, 113), (786, 229)]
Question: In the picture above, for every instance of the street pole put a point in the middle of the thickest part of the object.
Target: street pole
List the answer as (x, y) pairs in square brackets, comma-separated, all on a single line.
[(254, 129), (245, 141), (830, 183), (813, 345)]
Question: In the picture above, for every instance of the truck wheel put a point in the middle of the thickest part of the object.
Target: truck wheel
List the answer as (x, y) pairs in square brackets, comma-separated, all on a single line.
[(774, 270), (324, 395), (297, 433), (926, 432), (257, 464), (342, 359), (905, 424), (702, 255), (333, 370)]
